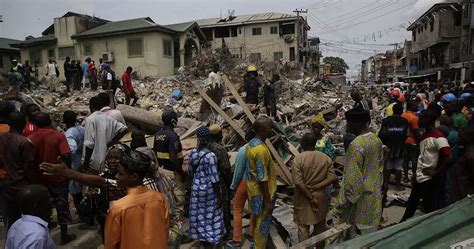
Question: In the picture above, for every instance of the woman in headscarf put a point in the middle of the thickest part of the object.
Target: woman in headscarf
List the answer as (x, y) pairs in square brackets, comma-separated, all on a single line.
[(324, 143), (206, 217)]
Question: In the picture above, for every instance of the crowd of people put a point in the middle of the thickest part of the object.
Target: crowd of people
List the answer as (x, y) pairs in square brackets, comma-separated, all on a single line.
[(77, 76), (140, 196)]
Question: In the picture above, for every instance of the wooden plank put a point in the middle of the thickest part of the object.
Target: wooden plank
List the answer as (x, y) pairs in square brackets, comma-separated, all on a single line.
[(238, 98), (284, 171), (223, 114), (191, 130), (276, 239), (292, 149), (322, 236)]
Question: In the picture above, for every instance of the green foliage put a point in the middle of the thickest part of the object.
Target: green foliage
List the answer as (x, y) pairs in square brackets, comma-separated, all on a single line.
[(338, 65)]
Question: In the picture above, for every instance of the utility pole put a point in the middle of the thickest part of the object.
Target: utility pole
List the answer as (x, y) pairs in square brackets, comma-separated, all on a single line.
[(298, 33), (395, 49)]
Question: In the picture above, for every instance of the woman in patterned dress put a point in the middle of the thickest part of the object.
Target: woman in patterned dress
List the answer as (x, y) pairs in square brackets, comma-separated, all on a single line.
[(206, 218)]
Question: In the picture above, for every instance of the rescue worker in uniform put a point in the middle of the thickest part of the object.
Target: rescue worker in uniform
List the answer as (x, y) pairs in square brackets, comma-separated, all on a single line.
[(251, 85)]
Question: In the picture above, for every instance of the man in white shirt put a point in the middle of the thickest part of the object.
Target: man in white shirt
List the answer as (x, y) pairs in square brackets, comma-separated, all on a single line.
[(107, 110), (215, 90), (100, 131), (51, 76)]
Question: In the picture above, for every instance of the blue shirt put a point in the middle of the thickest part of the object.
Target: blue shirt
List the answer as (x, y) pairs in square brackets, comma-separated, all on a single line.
[(75, 140), (29, 232), (239, 171), (85, 68)]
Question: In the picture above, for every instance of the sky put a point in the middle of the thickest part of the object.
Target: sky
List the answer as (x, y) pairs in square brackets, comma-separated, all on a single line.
[(351, 29)]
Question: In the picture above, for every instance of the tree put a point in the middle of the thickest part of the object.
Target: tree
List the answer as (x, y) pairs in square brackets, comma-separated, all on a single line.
[(338, 65)]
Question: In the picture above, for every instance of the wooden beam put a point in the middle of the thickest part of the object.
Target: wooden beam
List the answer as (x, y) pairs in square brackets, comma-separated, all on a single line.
[(276, 239), (223, 114), (292, 149), (191, 130), (322, 236), (285, 172), (238, 98)]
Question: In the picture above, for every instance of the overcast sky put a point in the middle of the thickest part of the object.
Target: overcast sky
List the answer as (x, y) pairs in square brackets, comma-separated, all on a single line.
[(371, 22)]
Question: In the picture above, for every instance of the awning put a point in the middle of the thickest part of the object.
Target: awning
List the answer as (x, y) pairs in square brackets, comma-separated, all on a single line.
[(420, 76), (460, 65)]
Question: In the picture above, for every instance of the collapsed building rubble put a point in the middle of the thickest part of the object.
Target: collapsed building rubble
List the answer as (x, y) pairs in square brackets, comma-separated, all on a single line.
[(300, 97)]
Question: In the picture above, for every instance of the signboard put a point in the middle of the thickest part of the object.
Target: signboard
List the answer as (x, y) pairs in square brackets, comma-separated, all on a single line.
[(413, 68)]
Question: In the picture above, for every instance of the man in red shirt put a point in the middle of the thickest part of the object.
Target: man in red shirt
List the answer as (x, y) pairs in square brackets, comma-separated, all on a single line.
[(128, 88), (30, 111), (50, 144)]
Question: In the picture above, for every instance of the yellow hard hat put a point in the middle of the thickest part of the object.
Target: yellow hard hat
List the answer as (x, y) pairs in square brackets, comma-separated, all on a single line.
[(251, 68)]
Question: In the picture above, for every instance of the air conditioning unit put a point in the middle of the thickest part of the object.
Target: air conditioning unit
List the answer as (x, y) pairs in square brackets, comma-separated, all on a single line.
[(108, 56)]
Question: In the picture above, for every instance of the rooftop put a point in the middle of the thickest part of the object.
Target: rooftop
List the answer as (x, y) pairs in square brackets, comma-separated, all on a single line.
[(453, 5), (45, 39), (123, 27), (5, 44), (243, 19), (50, 29)]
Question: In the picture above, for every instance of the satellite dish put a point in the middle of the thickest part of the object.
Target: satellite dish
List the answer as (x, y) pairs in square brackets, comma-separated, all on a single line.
[(230, 12)]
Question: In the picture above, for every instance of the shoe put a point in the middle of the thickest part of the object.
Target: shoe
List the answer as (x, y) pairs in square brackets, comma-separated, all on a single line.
[(233, 244)]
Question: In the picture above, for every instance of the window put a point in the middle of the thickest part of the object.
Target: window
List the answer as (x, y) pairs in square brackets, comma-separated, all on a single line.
[(135, 47), (51, 53), (257, 31), (287, 28), (431, 25), (221, 32), (1, 61), (457, 18), (426, 26), (167, 48), (66, 51), (233, 31), (255, 57), (208, 34), (414, 35), (88, 49), (277, 56), (273, 30), (240, 31), (35, 57), (292, 54)]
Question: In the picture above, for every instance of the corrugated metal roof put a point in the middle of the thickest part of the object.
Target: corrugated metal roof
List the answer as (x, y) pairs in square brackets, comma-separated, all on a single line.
[(439, 229), (45, 39), (5, 44), (119, 26), (180, 27), (245, 19)]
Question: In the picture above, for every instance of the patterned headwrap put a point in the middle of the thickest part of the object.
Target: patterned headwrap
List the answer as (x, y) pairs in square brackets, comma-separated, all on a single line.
[(203, 135), (135, 161), (319, 119)]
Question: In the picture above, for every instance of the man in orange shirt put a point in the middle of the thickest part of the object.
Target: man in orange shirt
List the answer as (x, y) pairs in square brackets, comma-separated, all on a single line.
[(139, 219), (412, 150)]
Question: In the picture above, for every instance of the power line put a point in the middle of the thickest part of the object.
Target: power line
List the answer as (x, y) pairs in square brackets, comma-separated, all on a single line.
[(371, 19), (364, 13)]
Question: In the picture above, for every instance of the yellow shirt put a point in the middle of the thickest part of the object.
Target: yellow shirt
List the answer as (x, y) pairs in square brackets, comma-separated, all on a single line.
[(261, 169), (138, 220)]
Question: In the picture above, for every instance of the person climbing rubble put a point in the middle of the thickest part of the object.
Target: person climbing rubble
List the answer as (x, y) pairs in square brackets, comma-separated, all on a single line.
[(251, 85)]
